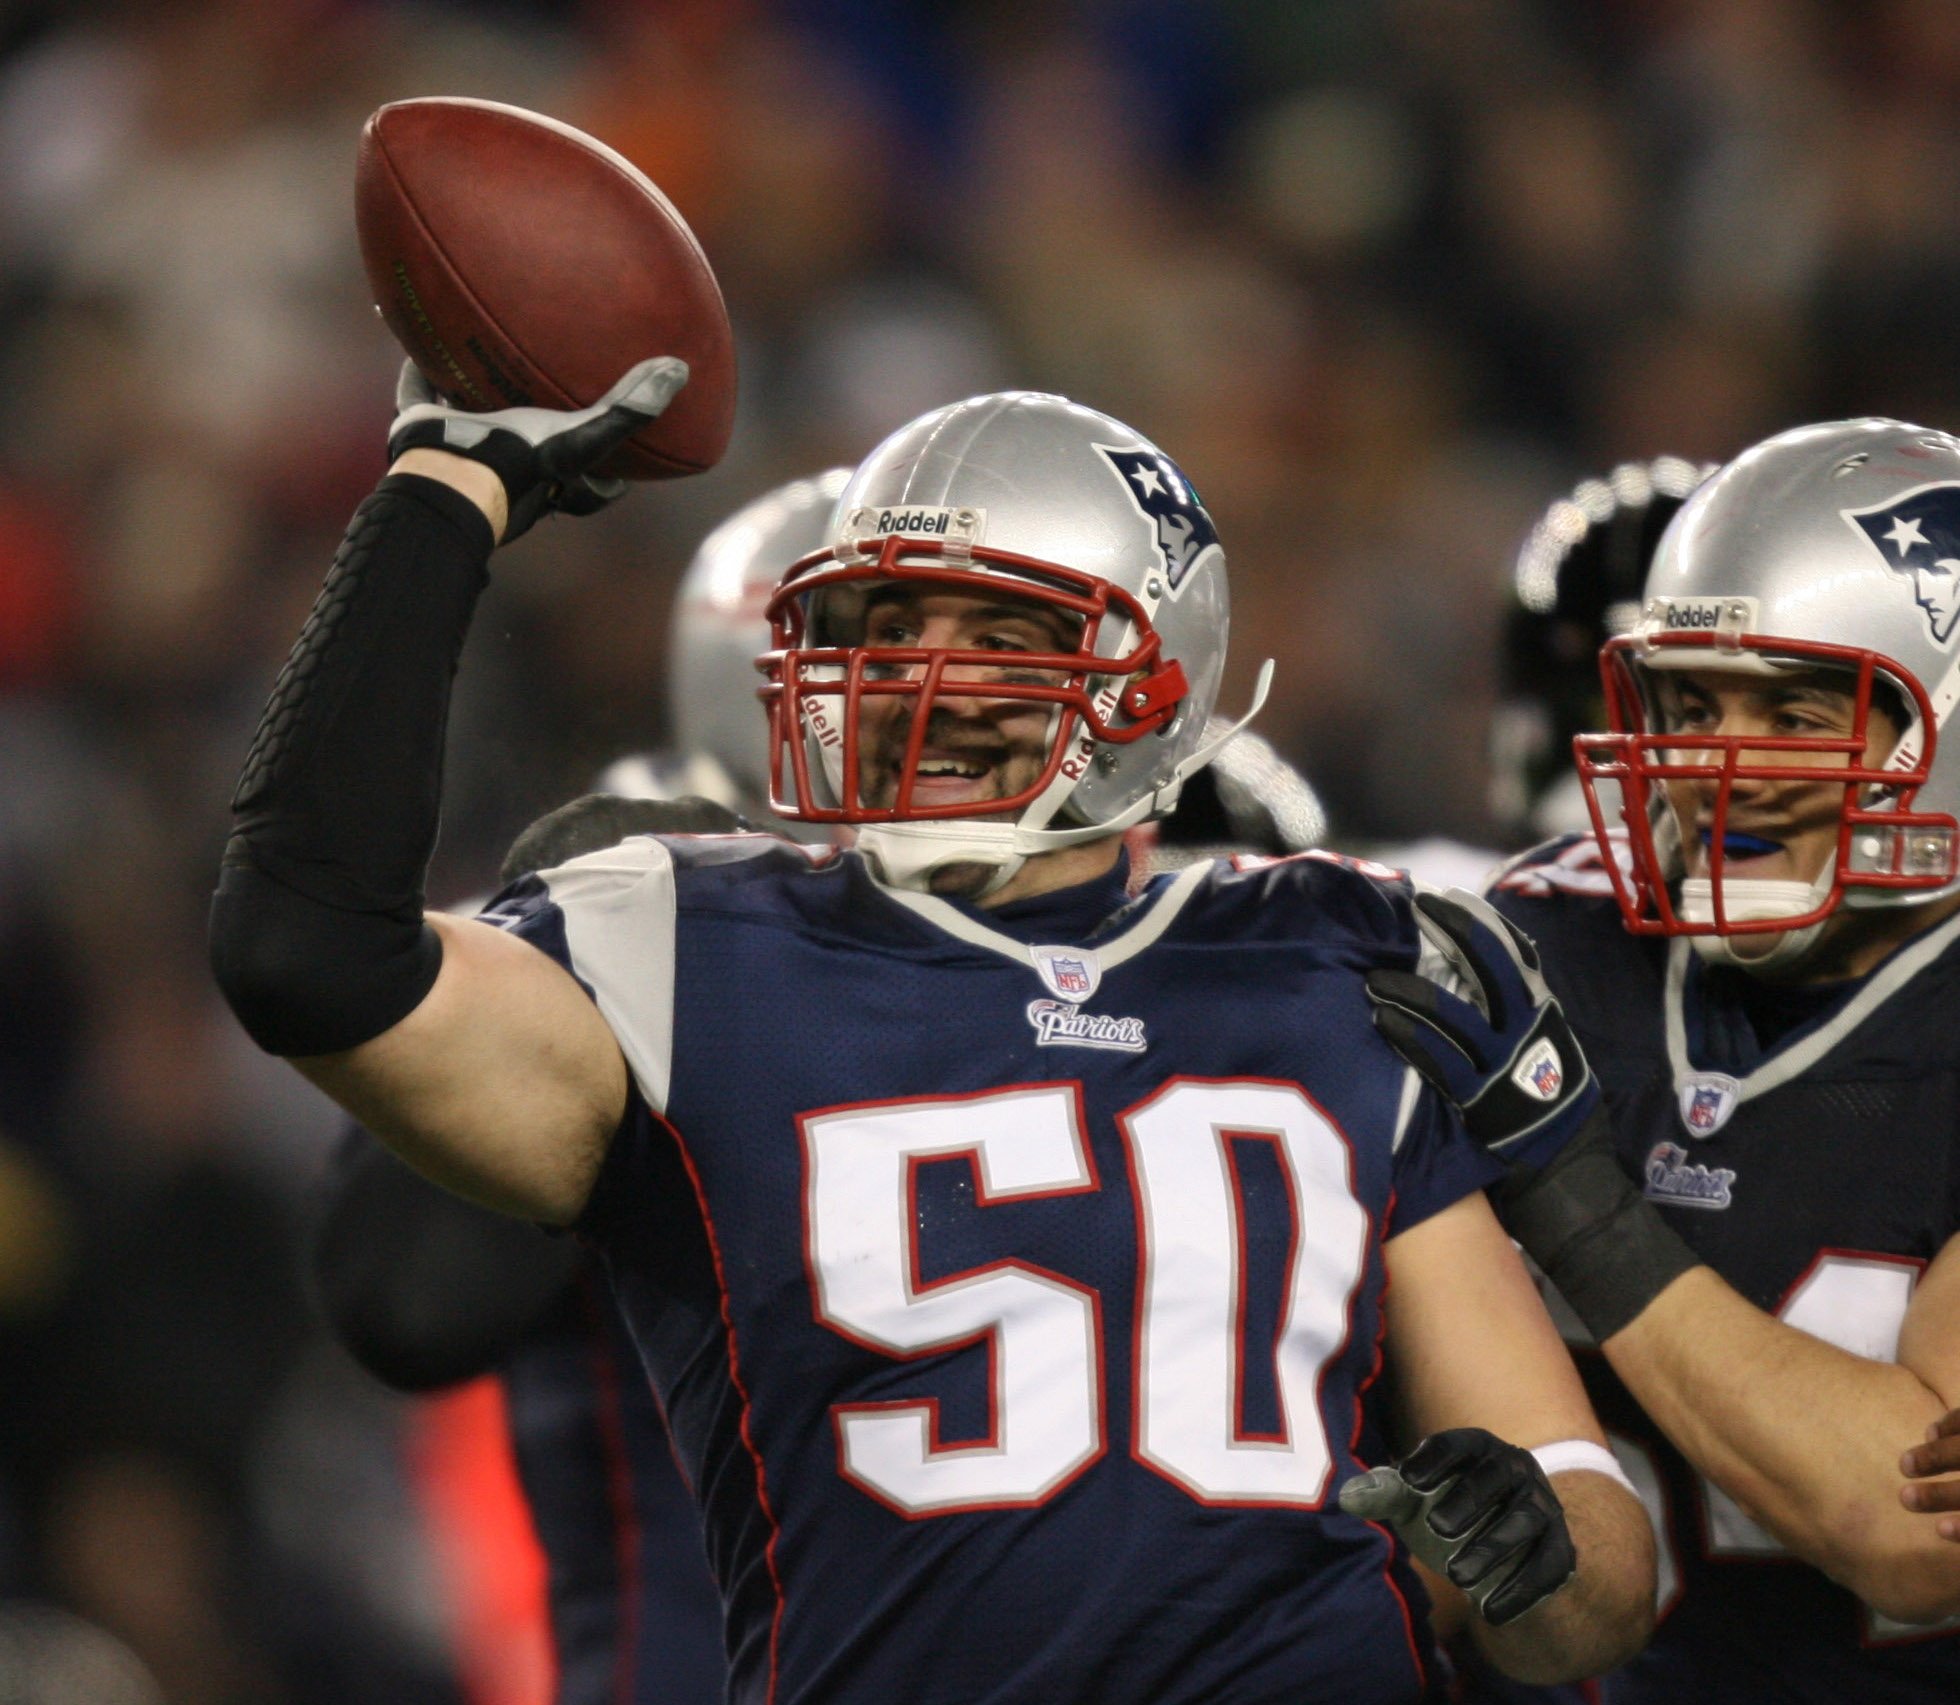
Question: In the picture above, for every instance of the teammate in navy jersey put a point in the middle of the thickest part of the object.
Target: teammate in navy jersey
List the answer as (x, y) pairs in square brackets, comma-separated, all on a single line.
[(1009, 1252), (1761, 965)]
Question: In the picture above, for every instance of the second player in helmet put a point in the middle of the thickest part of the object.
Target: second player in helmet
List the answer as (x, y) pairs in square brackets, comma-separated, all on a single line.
[(1762, 963)]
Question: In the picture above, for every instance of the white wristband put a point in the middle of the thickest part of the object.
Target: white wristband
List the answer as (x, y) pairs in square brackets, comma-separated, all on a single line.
[(1581, 1456)]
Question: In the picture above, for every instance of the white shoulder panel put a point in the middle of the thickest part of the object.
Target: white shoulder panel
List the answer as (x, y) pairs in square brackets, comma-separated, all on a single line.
[(619, 924)]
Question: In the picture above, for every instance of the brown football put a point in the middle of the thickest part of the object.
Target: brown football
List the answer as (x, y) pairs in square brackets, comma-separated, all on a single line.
[(521, 262)]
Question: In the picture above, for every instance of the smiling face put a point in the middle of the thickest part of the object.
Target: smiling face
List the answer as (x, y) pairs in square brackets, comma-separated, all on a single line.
[(1776, 831), (976, 748)]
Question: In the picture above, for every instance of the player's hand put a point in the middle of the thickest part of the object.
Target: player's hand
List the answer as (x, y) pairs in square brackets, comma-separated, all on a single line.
[(1506, 1056), (1478, 1511), (1940, 1454), (544, 457)]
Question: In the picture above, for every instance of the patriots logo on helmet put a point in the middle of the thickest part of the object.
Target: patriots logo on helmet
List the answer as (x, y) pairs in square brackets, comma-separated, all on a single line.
[(1163, 495), (1918, 535)]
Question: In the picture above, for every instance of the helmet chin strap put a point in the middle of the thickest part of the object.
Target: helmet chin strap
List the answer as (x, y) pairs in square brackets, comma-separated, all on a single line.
[(1745, 901), (905, 855)]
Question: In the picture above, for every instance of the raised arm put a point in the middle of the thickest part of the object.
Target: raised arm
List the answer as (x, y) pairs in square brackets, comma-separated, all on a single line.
[(476, 1057), (1484, 1379)]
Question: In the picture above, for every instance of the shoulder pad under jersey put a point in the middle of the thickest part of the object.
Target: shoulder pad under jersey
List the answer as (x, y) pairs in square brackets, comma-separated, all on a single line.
[(1568, 865), (1367, 899)]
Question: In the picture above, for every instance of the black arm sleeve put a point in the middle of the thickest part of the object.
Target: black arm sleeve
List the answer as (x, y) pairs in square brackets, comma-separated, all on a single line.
[(421, 1287), (317, 937)]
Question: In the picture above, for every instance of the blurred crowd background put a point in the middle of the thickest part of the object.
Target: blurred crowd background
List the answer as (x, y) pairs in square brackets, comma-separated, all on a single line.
[(1384, 275)]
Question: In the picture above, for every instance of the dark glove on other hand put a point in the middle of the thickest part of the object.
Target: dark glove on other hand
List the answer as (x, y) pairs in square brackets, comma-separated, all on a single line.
[(1526, 1093), (1505, 1058), (1478, 1511)]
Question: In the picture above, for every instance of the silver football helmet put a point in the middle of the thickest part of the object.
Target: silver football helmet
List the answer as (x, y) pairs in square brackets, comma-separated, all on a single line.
[(1045, 500), (1829, 547), (720, 626)]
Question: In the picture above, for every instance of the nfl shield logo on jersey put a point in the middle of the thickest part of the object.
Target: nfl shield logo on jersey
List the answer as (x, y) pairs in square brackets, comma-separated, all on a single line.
[(1071, 977), (1070, 973), (1707, 1100)]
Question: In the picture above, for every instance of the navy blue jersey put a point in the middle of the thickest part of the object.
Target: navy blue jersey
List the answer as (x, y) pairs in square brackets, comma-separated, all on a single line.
[(1807, 1146), (635, 1617), (1012, 1279), (426, 1290)]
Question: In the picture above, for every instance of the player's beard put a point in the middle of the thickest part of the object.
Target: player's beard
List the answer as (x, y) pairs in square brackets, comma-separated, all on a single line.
[(947, 736)]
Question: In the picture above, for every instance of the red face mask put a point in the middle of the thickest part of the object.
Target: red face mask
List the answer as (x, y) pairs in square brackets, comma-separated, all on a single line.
[(815, 688), (1881, 842)]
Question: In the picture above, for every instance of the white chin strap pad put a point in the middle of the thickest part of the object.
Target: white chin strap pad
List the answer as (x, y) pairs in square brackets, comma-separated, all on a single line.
[(906, 854), (1748, 900)]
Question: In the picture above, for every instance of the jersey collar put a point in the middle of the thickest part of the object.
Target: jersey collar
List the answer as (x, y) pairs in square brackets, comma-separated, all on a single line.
[(1071, 971), (1779, 1066)]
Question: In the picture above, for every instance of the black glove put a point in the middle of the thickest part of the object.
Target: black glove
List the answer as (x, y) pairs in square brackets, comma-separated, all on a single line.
[(1505, 1057), (1478, 1511), (1526, 1093), (543, 456)]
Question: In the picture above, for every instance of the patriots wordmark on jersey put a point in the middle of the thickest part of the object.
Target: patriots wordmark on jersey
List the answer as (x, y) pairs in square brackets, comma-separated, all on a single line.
[(1818, 1172), (1012, 1283)]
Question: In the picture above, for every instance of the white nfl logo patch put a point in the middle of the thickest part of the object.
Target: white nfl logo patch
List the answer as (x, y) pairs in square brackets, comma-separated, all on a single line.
[(1068, 973), (1707, 1100), (1540, 1074)]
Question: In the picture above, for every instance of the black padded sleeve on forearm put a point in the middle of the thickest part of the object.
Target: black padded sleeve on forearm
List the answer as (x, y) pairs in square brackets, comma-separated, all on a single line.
[(317, 937), (422, 1288), (1587, 1225)]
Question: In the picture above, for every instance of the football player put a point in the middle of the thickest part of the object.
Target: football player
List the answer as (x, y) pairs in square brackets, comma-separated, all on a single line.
[(1011, 1254), (1758, 1233), (426, 1289)]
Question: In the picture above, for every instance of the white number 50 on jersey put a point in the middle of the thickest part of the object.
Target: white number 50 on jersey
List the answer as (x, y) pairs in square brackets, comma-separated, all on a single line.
[(1044, 1332)]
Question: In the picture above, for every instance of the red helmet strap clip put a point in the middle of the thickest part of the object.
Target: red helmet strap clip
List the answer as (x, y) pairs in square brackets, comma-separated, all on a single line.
[(1157, 691)]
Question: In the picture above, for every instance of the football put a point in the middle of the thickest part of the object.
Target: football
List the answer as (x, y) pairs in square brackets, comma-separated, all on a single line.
[(520, 262)]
